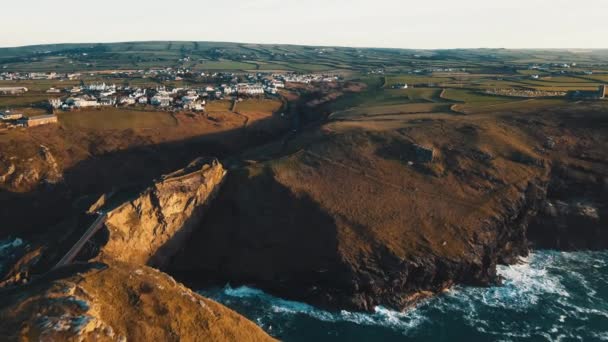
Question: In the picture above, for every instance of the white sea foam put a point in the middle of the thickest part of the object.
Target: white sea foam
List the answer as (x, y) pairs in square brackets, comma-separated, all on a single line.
[(381, 316), (556, 292)]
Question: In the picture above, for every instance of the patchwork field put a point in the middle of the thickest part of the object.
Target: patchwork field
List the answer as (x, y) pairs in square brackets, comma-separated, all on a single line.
[(115, 119)]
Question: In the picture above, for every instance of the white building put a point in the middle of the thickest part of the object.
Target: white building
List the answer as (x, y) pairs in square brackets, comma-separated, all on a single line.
[(161, 101), (127, 101), (107, 101), (83, 103), (13, 90), (55, 103), (249, 89), (10, 116)]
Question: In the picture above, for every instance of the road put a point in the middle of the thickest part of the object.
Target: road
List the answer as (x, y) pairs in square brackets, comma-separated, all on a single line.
[(73, 252)]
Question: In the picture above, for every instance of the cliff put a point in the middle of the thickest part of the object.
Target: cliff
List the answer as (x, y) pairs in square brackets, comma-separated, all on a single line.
[(150, 228), (348, 218), (117, 297), (117, 302)]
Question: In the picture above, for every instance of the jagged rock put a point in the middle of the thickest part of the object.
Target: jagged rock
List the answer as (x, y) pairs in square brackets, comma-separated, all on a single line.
[(9, 171), (117, 302), (148, 229), (53, 173)]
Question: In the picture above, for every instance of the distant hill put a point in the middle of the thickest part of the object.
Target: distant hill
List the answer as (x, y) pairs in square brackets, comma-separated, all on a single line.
[(241, 57)]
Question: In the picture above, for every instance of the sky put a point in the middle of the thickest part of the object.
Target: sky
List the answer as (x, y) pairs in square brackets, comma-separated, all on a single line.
[(420, 24)]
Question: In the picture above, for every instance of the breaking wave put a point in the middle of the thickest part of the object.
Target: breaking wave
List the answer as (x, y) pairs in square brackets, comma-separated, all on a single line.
[(548, 296)]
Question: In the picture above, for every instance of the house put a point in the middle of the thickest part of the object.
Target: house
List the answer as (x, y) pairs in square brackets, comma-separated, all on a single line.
[(127, 101), (161, 101), (107, 101), (13, 90), (6, 116), (83, 103), (55, 103), (249, 89), (228, 90), (39, 120), (189, 99), (142, 100)]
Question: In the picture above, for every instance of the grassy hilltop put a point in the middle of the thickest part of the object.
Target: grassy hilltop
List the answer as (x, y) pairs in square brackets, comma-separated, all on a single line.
[(235, 56)]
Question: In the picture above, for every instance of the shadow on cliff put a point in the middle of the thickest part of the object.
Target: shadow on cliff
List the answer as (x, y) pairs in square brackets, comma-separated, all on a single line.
[(40, 213), (246, 238)]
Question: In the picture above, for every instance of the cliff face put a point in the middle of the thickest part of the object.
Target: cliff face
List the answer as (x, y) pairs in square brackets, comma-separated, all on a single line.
[(352, 220), (574, 214), (117, 302), (117, 297), (150, 228)]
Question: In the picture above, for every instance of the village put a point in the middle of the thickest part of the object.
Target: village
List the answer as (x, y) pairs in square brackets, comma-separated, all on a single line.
[(172, 98)]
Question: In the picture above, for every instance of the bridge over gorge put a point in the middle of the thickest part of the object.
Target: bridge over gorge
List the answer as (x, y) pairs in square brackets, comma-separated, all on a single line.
[(88, 234)]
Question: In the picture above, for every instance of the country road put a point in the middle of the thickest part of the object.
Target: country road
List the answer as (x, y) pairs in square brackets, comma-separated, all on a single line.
[(73, 252)]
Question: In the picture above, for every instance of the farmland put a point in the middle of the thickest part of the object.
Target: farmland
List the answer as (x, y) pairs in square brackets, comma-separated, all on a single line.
[(115, 119)]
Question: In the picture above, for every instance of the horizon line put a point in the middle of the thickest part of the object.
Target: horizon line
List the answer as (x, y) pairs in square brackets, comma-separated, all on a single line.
[(305, 45)]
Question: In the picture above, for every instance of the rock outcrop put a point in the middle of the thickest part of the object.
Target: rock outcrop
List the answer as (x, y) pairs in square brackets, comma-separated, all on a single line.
[(117, 297), (117, 302), (150, 228), (575, 213), (344, 222)]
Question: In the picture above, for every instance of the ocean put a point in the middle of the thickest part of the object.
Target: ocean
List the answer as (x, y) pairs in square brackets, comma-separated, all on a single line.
[(548, 296)]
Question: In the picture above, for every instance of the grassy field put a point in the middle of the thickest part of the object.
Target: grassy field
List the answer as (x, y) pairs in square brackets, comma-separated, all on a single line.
[(219, 106), (392, 80), (114, 119), (21, 100), (472, 97), (224, 65), (261, 105), (39, 85), (413, 108)]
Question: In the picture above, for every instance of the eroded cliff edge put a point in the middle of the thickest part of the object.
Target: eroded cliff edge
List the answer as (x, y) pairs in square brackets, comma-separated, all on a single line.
[(351, 218), (110, 294), (152, 227)]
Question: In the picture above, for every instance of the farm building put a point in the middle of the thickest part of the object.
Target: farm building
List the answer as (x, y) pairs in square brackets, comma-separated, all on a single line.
[(13, 90), (39, 120)]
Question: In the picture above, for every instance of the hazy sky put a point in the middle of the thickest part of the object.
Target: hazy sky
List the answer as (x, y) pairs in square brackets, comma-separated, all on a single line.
[(376, 23)]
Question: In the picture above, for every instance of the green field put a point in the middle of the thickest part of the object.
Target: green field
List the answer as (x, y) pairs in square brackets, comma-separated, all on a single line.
[(22, 100), (472, 97), (401, 109), (392, 80), (255, 105), (224, 65), (115, 119), (219, 106)]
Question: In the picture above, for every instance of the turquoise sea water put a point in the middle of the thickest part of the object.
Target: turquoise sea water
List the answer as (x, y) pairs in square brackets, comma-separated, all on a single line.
[(549, 296)]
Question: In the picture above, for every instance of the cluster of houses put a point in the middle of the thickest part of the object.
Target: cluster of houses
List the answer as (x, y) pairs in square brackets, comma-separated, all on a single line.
[(18, 76), (308, 78), (188, 98)]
